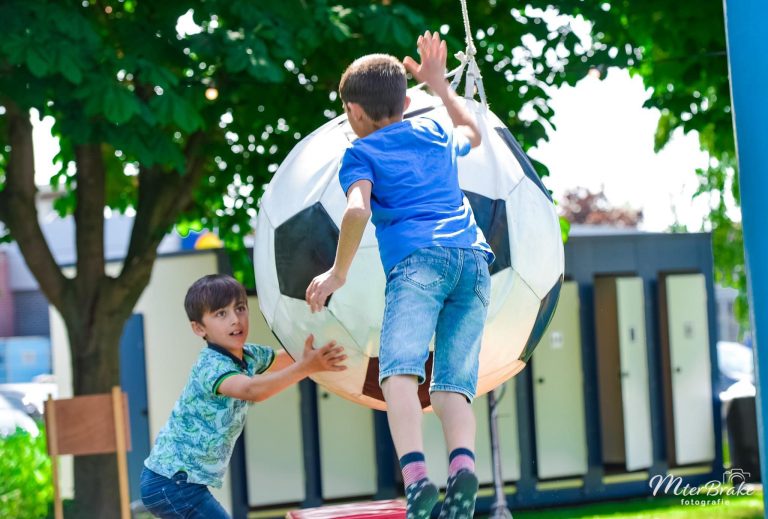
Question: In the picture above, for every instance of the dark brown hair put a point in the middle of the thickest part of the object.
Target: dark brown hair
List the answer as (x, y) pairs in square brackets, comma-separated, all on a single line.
[(210, 293), (377, 83)]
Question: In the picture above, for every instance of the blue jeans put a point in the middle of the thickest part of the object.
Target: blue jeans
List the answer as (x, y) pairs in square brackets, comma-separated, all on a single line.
[(174, 497), (438, 291)]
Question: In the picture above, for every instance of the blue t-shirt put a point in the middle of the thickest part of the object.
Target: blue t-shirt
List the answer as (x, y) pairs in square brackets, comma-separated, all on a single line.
[(415, 199)]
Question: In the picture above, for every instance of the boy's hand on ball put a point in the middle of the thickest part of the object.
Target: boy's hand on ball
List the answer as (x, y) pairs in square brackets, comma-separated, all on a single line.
[(321, 288), (327, 358)]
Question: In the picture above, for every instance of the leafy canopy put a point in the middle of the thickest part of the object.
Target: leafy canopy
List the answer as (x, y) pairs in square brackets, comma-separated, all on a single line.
[(127, 76)]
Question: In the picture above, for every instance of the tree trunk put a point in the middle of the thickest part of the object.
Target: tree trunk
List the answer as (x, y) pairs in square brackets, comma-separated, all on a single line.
[(94, 306), (95, 369)]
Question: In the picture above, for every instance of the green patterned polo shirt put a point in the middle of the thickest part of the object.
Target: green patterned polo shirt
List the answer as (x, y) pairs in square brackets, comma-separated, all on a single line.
[(204, 425)]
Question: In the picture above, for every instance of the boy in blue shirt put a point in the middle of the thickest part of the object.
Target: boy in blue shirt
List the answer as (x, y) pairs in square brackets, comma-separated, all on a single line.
[(404, 174), (193, 449)]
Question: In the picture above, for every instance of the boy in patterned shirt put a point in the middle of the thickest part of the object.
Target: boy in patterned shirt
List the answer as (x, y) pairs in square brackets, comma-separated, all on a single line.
[(193, 449)]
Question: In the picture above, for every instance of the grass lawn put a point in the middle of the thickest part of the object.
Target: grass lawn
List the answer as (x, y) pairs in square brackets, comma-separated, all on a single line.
[(736, 507)]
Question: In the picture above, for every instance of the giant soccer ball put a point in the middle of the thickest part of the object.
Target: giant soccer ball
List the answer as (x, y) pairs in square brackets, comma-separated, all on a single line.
[(298, 228)]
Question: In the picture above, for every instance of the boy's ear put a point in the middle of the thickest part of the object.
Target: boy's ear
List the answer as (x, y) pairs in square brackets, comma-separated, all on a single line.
[(355, 111), (198, 329), (406, 104)]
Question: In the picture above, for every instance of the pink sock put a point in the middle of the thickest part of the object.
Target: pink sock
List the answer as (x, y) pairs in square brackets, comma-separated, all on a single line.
[(413, 472), (414, 468), (461, 459)]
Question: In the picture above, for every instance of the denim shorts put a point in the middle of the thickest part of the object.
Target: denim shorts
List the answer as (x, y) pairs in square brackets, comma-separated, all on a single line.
[(442, 292), (174, 497)]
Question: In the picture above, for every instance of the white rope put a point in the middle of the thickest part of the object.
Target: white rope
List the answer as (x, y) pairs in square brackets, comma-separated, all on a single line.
[(467, 31), (473, 82)]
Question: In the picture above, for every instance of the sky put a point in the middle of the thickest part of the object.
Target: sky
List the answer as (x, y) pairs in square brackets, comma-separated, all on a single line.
[(603, 140)]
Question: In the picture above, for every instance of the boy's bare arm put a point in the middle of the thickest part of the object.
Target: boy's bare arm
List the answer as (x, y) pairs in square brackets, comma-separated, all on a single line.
[(353, 223), (261, 387), (282, 361), (431, 71)]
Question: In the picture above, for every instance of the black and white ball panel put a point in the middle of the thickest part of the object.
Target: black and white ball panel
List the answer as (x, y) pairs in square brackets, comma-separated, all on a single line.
[(297, 233), (305, 246)]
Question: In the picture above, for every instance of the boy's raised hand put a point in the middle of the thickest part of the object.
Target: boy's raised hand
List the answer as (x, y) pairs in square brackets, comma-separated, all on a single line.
[(433, 52), (431, 71), (327, 358)]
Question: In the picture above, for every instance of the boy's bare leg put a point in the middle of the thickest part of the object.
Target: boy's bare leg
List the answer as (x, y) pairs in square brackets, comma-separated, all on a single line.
[(459, 428), (457, 419), (404, 413), (404, 416)]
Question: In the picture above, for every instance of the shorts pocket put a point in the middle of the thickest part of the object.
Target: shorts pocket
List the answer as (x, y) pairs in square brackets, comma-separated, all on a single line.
[(483, 281), (427, 268)]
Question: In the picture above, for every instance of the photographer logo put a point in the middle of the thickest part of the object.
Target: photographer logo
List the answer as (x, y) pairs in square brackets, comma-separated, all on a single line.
[(734, 483)]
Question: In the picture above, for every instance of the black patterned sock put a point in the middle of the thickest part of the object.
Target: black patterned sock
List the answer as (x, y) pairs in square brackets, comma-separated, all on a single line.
[(421, 497), (460, 496)]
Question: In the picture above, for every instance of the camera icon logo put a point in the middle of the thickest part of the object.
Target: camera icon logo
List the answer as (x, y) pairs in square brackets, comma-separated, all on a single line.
[(735, 477)]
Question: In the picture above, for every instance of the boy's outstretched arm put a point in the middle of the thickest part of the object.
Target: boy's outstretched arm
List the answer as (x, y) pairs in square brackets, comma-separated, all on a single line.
[(261, 387), (282, 361), (431, 71), (356, 217)]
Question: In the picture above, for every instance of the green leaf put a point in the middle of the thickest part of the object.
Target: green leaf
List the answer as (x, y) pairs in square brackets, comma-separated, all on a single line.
[(403, 34), (266, 71), (15, 47), (186, 115), (162, 107), (237, 60), (69, 69), (65, 205), (36, 62), (664, 128), (167, 153), (565, 229), (119, 105), (155, 75)]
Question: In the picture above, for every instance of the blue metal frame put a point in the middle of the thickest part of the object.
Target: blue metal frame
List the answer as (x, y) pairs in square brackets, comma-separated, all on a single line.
[(747, 51)]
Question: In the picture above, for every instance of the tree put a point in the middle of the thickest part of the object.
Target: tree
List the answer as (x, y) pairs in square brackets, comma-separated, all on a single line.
[(680, 52), (166, 124), (582, 206)]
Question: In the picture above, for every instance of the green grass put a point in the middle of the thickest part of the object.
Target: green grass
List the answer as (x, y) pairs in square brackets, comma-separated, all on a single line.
[(736, 507)]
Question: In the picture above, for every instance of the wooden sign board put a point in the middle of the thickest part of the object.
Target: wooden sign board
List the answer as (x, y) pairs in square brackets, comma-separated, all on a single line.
[(86, 425)]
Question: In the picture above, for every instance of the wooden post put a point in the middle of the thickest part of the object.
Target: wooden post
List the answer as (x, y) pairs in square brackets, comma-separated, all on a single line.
[(53, 450), (122, 465)]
